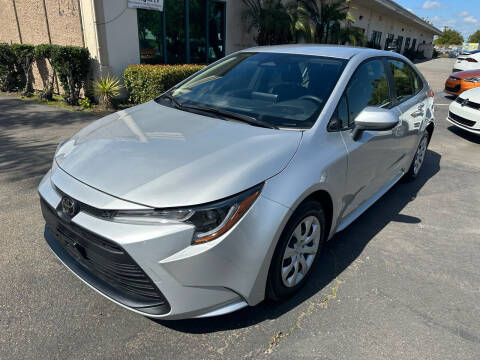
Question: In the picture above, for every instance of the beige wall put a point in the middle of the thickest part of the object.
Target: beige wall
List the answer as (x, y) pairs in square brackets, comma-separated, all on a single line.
[(237, 36), (8, 25), (57, 23)]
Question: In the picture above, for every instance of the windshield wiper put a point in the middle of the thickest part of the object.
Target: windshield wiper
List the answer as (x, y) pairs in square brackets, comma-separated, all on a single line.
[(172, 99), (227, 114), (222, 113)]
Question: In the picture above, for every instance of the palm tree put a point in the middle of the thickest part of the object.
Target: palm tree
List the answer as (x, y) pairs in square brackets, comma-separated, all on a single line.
[(302, 28), (334, 13), (352, 35), (325, 16), (271, 20)]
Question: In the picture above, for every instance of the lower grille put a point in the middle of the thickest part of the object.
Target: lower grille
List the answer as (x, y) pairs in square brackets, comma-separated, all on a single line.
[(113, 271), (461, 120), (456, 88)]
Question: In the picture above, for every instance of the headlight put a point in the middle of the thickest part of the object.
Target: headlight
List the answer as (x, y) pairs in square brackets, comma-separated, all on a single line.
[(473, 79), (210, 220)]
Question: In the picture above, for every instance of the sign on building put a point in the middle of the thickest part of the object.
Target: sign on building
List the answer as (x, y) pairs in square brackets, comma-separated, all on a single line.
[(146, 4), (470, 46)]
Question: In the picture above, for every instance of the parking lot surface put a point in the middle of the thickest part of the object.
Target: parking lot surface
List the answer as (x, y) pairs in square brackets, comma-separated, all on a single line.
[(402, 282)]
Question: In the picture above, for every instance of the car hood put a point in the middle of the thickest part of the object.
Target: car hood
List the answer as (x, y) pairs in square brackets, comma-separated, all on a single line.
[(466, 74), (472, 95), (162, 157)]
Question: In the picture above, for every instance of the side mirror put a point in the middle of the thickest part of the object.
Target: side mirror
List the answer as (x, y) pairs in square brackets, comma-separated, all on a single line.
[(373, 118)]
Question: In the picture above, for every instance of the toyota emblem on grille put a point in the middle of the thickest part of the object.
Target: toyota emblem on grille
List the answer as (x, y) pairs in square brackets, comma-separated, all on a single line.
[(69, 206)]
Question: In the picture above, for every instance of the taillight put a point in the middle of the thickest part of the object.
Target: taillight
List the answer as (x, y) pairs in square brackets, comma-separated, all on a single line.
[(471, 60), (430, 93)]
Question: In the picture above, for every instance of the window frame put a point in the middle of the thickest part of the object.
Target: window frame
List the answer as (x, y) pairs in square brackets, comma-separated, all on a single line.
[(391, 89), (392, 80)]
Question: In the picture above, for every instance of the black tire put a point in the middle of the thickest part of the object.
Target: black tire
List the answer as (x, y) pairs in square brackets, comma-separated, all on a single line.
[(276, 290), (411, 173)]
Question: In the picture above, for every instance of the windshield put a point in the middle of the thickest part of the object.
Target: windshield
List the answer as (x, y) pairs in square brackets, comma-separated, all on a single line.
[(283, 90)]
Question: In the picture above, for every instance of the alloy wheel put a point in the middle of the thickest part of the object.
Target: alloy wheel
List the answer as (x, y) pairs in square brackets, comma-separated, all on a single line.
[(420, 155), (301, 250)]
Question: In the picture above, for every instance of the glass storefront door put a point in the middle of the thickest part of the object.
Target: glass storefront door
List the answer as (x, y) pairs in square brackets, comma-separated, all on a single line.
[(187, 31), (216, 31)]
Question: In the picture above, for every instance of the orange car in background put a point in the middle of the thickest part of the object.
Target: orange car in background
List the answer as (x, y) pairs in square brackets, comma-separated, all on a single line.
[(462, 81)]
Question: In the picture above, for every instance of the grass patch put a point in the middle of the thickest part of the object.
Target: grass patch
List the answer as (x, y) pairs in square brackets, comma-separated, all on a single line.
[(59, 103)]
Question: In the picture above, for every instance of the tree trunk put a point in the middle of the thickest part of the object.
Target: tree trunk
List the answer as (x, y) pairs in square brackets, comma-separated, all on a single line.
[(28, 86), (47, 93)]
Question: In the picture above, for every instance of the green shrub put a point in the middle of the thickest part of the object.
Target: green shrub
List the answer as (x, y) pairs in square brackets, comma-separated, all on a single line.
[(72, 65), (145, 82), (107, 88), (45, 52), (25, 55), (10, 76), (85, 103)]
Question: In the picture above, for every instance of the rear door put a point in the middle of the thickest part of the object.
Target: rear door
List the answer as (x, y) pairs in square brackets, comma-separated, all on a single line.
[(412, 105), (371, 158)]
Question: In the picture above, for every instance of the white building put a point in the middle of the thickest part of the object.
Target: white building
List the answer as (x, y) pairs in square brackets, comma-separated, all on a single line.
[(385, 20), (186, 31)]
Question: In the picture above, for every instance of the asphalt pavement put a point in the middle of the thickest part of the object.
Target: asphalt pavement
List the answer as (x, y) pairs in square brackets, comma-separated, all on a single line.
[(402, 282)]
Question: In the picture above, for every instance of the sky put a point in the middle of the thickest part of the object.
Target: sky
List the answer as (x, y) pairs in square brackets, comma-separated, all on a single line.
[(461, 15)]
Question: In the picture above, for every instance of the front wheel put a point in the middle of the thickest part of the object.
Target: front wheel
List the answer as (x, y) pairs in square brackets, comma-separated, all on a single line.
[(418, 159), (297, 249)]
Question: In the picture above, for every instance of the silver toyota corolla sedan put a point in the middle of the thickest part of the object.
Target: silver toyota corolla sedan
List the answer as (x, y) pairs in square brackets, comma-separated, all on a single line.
[(222, 191)]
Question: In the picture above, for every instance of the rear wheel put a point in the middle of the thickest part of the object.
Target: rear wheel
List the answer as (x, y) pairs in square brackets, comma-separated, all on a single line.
[(296, 252), (418, 159)]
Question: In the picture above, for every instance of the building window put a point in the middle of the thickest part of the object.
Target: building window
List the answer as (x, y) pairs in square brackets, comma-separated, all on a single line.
[(376, 38), (414, 44), (216, 30), (399, 43), (407, 43), (187, 31), (150, 34), (388, 41)]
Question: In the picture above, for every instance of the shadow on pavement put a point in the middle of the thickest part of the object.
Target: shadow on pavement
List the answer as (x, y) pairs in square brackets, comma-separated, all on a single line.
[(474, 138), (338, 254), (29, 135)]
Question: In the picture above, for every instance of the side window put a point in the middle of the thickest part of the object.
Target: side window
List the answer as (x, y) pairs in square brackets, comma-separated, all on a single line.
[(342, 113), (418, 82), (339, 120), (368, 87), (407, 82)]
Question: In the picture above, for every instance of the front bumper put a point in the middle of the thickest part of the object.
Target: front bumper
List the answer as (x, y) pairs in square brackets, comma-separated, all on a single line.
[(193, 281), (455, 88), (464, 117)]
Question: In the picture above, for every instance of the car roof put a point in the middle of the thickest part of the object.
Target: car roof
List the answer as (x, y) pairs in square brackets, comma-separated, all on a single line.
[(335, 51)]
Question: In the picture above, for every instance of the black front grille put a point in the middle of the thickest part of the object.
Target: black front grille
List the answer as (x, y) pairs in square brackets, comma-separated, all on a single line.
[(460, 120), (111, 267), (456, 88), (470, 104)]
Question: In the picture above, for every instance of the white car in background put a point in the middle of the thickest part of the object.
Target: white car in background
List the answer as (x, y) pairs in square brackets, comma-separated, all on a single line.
[(467, 61), (464, 112)]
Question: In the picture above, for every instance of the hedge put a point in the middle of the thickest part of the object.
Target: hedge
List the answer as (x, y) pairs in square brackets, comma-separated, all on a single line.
[(11, 73), (145, 82), (25, 56), (70, 63)]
